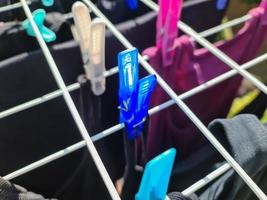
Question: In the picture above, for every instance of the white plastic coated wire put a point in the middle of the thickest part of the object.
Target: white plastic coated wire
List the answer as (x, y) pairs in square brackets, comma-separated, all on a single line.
[(74, 112), (215, 51), (118, 127), (254, 187), (156, 109)]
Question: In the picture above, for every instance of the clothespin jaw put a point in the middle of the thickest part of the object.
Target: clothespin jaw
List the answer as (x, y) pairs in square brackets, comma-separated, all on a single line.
[(92, 42), (169, 15), (221, 4), (39, 17), (141, 99), (132, 4), (82, 22), (134, 94), (96, 66), (156, 177), (48, 3)]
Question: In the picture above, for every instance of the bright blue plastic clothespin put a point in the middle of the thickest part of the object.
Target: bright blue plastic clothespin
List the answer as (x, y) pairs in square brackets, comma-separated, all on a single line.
[(48, 3), (156, 177), (132, 4), (221, 4), (39, 17), (134, 94)]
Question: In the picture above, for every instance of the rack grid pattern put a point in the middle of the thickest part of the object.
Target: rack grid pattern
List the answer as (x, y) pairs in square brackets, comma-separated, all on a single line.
[(175, 99)]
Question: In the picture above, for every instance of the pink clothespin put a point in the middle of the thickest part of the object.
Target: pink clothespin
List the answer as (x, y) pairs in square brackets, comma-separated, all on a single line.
[(169, 14), (263, 4)]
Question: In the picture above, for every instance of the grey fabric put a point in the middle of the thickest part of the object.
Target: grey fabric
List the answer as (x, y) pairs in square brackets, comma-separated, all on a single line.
[(246, 139), (180, 196), (9, 191)]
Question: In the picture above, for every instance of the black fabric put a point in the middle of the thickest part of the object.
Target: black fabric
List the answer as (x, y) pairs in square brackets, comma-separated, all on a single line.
[(14, 40), (246, 139), (40, 131), (9, 191), (180, 196), (257, 106)]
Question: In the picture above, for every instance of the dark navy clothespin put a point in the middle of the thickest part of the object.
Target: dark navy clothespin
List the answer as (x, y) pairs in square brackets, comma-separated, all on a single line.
[(156, 177), (221, 4), (134, 94), (48, 3), (132, 4), (39, 17)]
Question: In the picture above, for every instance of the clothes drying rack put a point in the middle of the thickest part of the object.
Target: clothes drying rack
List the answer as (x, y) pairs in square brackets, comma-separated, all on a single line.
[(174, 99)]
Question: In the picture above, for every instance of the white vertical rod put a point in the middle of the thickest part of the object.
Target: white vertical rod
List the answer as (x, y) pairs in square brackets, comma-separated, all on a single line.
[(101, 168)]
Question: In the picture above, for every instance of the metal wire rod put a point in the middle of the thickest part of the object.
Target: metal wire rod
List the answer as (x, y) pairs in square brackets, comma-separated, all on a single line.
[(74, 112), (12, 6), (118, 127), (207, 179), (215, 51), (259, 193)]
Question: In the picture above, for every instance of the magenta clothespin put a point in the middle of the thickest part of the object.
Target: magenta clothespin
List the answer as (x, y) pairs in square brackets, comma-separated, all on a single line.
[(169, 15), (264, 4)]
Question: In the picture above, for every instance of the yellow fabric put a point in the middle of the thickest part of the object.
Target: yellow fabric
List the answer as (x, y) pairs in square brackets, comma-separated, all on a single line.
[(241, 102)]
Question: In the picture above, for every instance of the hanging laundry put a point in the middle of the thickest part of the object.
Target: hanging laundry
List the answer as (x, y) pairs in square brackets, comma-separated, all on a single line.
[(192, 67), (249, 149), (9, 191), (13, 35)]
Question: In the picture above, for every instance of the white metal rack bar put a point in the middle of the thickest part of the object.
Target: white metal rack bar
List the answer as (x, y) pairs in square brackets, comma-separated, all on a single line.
[(259, 193), (74, 112), (215, 51), (118, 127)]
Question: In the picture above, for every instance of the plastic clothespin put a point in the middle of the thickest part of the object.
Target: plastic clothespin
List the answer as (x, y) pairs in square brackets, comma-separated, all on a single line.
[(96, 66), (169, 15), (92, 42), (263, 4), (132, 4), (140, 104), (39, 17), (134, 94), (156, 177), (221, 4), (128, 80), (48, 3)]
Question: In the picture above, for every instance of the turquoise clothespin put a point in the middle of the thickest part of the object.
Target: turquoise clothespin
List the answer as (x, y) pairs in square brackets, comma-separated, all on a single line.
[(39, 17), (156, 177), (48, 3)]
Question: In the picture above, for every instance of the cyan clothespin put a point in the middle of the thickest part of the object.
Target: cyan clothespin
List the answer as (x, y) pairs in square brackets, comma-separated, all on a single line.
[(156, 177), (134, 94), (48, 3), (221, 4), (39, 17), (132, 4)]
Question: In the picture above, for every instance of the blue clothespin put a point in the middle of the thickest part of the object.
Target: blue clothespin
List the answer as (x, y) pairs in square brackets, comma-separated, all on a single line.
[(134, 94), (132, 4), (48, 3), (39, 17), (221, 4), (156, 177)]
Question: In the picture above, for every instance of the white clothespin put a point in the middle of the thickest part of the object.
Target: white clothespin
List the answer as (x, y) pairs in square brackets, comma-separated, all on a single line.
[(91, 35)]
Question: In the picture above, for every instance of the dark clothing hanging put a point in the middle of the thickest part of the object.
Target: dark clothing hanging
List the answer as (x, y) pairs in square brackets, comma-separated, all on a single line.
[(246, 139), (9, 191)]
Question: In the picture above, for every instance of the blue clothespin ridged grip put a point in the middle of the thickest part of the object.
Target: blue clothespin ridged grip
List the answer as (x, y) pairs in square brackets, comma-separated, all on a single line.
[(39, 17), (134, 94), (221, 4), (132, 4), (48, 3), (156, 177)]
